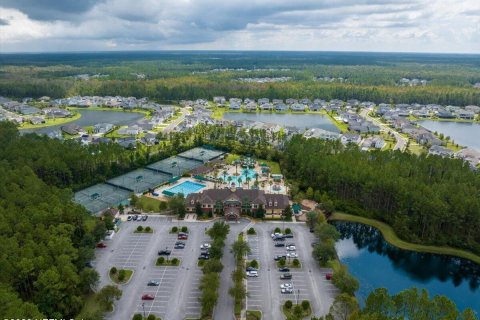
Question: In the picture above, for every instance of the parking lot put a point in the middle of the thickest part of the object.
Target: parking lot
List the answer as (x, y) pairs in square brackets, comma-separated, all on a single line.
[(308, 282), (176, 296)]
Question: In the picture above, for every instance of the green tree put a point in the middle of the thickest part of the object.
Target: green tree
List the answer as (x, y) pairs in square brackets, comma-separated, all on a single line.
[(107, 296), (139, 229), (324, 251), (288, 304), (305, 304), (343, 306), (137, 316), (344, 281), (254, 264), (212, 265), (326, 232), (240, 248)]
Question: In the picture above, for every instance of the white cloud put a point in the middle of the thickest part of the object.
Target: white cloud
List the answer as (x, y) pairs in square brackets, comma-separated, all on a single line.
[(372, 25)]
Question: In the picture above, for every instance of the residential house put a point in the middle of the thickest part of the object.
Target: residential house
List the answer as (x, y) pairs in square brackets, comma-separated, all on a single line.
[(130, 130), (465, 114), (291, 101), (321, 134), (263, 101), (266, 107), (72, 129), (436, 150), (347, 138), (297, 107), (315, 107), (220, 101), (37, 120), (475, 109), (102, 128), (281, 107)]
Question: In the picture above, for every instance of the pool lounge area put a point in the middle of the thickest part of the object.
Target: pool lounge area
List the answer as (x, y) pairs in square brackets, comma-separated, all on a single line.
[(186, 187), (237, 181)]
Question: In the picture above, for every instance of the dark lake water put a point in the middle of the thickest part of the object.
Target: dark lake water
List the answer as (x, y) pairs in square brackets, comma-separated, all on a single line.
[(464, 133), (300, 121), (375, 263), (92, 117)]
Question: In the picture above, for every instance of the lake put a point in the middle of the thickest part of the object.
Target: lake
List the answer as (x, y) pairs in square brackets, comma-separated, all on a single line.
[(300, 121), (92, 117), (464, 133), (375, 263)]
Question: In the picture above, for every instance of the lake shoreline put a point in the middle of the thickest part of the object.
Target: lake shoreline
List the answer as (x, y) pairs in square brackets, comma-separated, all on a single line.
[(390, 236)]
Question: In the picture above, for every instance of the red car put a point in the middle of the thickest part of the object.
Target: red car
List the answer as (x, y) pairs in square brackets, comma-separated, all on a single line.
[(328, 276), (182, 237), (101, 245), (148, 297)]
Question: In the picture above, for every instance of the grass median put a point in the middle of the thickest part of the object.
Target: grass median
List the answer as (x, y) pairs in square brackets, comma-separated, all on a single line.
[(390, 236)]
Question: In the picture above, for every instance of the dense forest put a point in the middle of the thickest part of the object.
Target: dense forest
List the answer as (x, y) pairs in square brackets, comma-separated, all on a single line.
[(189, 75), (45, 239), (428, 200)]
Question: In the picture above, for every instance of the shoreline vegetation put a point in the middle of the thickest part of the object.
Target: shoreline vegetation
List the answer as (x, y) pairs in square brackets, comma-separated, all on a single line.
[(50, 122), (391, 237)]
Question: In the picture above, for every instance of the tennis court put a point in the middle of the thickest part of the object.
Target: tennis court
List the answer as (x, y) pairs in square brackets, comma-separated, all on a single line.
[(101, 197), (175, 166), (201, 154), (140, 180)]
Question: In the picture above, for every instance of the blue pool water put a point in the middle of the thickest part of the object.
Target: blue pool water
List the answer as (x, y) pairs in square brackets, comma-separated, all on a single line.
[(231, 179), (186, 188)]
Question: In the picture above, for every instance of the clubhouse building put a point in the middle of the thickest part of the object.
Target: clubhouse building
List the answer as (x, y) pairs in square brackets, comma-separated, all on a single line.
[(234, 202)]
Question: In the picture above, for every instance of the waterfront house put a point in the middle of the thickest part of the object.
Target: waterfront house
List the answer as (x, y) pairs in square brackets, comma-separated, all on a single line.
[(102, 128)]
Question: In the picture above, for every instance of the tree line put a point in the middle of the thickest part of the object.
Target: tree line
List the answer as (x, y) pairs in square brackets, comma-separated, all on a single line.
[(426, 199)]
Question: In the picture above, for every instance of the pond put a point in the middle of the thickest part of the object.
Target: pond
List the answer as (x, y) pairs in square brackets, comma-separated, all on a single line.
[(300, 121), (92, 117), (464, 133), (375, 263)]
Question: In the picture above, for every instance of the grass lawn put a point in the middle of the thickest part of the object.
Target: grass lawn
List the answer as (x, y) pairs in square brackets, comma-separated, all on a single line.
[(274, 166), (128, 275), (148, 204), (415, 148), (231, 157), (390, 236), (453, 146), (289, 312), (343, 127), (254, 315), (51, 122), (174, 262)]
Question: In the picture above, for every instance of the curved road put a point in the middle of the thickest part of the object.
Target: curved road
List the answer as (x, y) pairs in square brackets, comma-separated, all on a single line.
[(401, 141)]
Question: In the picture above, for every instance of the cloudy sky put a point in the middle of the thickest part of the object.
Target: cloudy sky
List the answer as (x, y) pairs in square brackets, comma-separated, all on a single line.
[(353, 25)]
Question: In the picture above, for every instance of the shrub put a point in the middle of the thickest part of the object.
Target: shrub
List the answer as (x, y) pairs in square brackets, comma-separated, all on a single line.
[(174, 229), (151, 317), (288, 304), (254, 264), (251, 231), (297, 310), (148, 229), (160, 260), (113, 270), (139, 228), (277, 230), (282, 262), (175, 261), (296, 262), (137, 316), (288, 231), (305, 305), (121, 275), (184, 229), (162, 206)]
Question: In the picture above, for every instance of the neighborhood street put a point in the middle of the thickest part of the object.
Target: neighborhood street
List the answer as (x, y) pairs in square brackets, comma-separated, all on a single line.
[(401, 141)]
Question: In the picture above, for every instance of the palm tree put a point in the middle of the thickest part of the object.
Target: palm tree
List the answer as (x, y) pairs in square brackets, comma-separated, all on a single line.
[(224, 176), (240, 248), (229, 179), (256, 177), (239, 181), (270, 182), (248, 182)]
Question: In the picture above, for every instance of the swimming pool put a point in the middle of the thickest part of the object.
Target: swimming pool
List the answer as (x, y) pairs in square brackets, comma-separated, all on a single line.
[(186, 188), (238, 180)]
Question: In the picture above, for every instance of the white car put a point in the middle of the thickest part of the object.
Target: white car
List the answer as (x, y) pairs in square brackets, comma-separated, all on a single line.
[(285, 285), (291, 248), (276, 235), (206, 246), (252, 274), (287, 290), (292, 255)]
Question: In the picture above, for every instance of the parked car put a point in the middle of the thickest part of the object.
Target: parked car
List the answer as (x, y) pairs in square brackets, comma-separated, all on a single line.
[(129, 218), (288, 235), (206, 246), (144, 218), (292, 255), (148, 297), (284, 269), (164, 252), (249, 268), (276, 234), (135, 217), (287, 290), (252, 273), (153, 283), (328, 276), (279, 244), (101, 245), (204, 256), (291, 248), (285, 285), (182, 236), (279, 256), (179, 246), (286, 276), (279, 239)]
